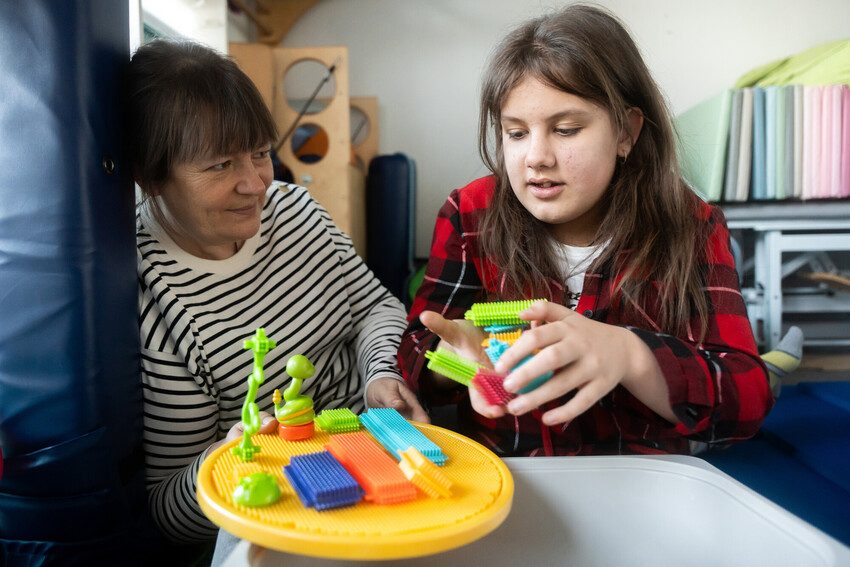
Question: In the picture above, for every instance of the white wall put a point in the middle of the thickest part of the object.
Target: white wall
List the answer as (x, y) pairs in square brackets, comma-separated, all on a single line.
[(423, 60), (205, 21)]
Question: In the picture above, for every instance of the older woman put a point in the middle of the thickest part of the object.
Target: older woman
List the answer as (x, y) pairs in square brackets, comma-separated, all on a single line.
[(223, 250)]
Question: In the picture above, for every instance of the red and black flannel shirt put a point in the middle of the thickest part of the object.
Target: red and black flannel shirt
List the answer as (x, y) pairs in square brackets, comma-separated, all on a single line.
[(718, 388)]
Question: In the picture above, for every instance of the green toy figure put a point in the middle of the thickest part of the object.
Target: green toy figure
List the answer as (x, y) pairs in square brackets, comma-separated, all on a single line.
[(251, 421), (296, 416), (257, 489)]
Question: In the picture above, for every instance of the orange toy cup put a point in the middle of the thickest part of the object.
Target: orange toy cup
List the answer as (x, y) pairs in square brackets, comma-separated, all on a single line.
[(296, 432)]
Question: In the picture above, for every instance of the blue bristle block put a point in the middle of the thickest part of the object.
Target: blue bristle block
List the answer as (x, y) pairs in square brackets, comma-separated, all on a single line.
[(321, 482)]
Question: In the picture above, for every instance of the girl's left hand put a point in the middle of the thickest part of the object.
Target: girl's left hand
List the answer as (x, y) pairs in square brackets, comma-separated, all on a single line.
[(585, 355)]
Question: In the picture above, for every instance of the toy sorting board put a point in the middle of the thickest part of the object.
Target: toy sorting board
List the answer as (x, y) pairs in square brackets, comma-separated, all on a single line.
[(482, 492)]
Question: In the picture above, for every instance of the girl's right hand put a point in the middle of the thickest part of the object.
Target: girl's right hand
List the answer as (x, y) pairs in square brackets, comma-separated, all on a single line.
[(457, 335), (463, 338)]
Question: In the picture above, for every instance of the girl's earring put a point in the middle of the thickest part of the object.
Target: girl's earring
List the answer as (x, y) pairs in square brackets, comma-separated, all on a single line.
[(622, 158)]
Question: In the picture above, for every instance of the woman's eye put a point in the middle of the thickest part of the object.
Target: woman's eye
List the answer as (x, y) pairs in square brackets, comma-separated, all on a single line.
[(262, 154), (220, 166), (515, 134)]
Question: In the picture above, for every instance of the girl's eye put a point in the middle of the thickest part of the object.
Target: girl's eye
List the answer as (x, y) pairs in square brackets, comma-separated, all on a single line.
[(262, 154), (567, 131), (515, 134)]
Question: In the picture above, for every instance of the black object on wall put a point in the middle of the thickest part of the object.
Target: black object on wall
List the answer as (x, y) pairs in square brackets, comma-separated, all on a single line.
[(390, 221), (70, 397)]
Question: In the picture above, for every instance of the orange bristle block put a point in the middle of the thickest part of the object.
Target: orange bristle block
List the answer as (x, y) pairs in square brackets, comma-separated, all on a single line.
[(373, 469)]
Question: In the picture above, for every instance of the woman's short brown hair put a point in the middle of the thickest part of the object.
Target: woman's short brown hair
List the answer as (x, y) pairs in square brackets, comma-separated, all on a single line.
[(185, 100)]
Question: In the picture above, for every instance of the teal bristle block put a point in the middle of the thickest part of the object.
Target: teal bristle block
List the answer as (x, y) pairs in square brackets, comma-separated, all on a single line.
[(451, 365), (496, 349), (396, 434), (498, 312), (341, 420), (495, 329), (537, 382)]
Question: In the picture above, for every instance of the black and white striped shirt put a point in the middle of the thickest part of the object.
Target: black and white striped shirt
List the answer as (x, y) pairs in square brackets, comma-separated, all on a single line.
[(301, 280)]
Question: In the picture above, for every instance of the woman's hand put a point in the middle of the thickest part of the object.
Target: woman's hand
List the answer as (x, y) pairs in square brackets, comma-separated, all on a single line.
[(464, 338), (587, 357), (269, 427), (392, 393)]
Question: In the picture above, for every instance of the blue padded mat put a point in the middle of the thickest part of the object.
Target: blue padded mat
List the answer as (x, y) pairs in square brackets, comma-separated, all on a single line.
[(801, 458), (814, 420)]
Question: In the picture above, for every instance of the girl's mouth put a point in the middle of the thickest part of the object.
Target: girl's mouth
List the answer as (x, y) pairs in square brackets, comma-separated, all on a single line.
[(545, 189)]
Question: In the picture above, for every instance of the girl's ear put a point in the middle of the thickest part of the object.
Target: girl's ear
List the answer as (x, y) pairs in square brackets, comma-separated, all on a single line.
[(628, 137)]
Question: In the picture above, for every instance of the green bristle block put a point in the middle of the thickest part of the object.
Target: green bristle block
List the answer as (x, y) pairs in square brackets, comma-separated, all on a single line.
[(451, 365), (341, 420), (498, 312)]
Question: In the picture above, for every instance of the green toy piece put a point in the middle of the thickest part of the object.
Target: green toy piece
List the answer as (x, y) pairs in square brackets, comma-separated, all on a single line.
[(298, 408), (340, 420), (257, 489), (452, 365), (251, 421), (498, 312)]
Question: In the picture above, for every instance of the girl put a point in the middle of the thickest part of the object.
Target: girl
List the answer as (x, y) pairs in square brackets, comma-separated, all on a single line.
[(645, 327)]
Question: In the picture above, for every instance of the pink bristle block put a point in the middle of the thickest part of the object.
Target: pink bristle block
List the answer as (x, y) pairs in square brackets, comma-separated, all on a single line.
[(489, 384)]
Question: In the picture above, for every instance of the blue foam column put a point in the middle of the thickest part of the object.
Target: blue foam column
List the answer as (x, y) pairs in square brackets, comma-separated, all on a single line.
[(70, 395)]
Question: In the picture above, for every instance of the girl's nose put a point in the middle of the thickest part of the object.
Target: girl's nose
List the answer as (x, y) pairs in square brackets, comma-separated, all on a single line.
[(539, 154)]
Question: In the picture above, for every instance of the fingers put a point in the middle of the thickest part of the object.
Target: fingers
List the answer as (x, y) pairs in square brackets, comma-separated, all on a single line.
[(546, 311), (480, 405), (414, 411), (555, 351), (539, 336), (461, 336), (439, 325), (269, 423), (560, 384), (584, 399), (391, 393)]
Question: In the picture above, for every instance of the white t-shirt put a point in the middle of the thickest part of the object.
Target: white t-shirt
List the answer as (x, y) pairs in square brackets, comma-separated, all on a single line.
[(573, 262)]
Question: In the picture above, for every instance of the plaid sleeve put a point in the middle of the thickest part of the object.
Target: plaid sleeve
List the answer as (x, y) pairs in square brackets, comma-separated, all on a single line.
[(719, 388), (450, 286)]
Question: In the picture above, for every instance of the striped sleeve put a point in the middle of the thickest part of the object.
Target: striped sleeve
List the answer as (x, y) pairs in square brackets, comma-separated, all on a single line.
[(174, 446), (379, 317)]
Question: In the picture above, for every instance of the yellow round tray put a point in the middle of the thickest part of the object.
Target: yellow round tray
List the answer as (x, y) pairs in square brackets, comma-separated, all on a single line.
[(482, 492)]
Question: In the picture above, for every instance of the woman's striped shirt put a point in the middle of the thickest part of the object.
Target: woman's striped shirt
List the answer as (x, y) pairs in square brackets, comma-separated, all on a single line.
[(301, 280)]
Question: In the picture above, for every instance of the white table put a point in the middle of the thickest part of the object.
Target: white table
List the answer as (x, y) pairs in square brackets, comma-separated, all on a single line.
[(635, 511)]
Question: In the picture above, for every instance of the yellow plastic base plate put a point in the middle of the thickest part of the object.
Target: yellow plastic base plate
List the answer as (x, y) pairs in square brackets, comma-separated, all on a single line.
[(482, 492)]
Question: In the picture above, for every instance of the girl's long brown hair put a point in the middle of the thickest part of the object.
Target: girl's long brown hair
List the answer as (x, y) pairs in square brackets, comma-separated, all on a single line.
[(650, 214)]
